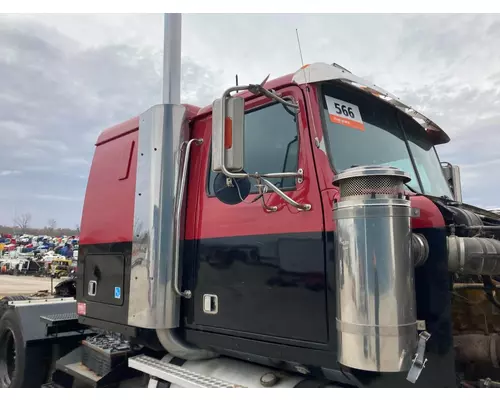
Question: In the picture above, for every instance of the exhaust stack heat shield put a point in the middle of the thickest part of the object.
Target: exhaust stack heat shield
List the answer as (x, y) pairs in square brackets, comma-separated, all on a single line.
[(376, 303)]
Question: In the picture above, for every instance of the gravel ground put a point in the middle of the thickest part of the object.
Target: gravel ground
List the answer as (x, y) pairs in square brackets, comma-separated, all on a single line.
[(23, 285)]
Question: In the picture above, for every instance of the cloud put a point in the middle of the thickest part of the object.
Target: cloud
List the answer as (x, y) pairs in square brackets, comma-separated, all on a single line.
[(65, 78), (58, 95), (56, 197), (9, 172)]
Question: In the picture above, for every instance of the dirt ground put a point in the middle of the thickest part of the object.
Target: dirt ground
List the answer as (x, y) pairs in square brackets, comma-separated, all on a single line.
[(23, 285)]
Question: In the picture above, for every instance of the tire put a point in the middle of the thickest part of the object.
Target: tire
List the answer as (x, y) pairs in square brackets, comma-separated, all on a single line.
[(14, 298), (5, 300), (20, 366)]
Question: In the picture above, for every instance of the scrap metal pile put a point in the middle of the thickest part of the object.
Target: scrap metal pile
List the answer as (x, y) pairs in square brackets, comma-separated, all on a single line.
[(38, 255)]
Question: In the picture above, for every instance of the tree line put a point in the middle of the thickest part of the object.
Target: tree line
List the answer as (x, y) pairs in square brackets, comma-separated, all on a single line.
[(21, 225)]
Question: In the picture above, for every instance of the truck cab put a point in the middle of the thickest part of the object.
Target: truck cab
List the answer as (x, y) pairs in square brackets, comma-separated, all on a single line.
[(232, 252)]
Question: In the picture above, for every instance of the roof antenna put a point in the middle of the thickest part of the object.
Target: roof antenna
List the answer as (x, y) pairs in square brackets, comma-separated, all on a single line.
[(300, 49), (308, 100), (300, 52), (237, 82)]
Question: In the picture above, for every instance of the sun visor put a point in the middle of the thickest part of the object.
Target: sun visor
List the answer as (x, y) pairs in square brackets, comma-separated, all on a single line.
[(323, 72)]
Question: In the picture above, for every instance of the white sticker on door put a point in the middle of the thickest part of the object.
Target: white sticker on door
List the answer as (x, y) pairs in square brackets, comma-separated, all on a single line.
[(344, 113)]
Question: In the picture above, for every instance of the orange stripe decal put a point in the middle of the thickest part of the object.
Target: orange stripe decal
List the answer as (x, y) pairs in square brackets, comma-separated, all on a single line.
[(347, 122), (228, 133)]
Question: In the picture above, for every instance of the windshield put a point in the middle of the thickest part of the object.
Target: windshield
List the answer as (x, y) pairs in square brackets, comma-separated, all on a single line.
[(362, 130)]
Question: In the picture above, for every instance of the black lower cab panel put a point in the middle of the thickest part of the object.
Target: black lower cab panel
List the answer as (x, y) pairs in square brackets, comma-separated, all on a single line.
[(103, 280), (277, 302), (272, 299)]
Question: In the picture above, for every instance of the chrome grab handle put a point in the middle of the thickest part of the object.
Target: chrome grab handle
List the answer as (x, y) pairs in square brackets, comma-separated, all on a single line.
[(180, 199)]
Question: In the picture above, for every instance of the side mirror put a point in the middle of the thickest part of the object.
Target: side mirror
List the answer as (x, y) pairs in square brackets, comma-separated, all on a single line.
[(452, 176), (231, 191), (228, 129)]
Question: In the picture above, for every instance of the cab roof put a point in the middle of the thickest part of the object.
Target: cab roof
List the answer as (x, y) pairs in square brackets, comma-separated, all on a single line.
[(323, 72), (309, 73)]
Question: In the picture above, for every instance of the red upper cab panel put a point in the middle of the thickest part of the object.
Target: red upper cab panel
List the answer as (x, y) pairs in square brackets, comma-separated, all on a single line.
[(108, 209)]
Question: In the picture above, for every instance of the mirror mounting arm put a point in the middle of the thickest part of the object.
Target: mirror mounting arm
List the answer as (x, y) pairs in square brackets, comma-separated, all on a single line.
[(289, 200), (263, 189), (258, 89)]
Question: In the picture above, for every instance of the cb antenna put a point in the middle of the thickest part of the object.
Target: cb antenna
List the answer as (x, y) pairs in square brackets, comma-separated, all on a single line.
[(300, 49), (300, 52)]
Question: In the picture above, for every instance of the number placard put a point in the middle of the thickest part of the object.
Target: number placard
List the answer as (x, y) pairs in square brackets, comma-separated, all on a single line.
[(344, 113)]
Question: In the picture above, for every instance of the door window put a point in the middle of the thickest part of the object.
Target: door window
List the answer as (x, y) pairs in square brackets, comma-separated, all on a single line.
[(271, 144)]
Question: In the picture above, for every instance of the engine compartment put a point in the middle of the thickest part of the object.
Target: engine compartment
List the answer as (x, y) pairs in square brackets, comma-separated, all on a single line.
[(475, 298)]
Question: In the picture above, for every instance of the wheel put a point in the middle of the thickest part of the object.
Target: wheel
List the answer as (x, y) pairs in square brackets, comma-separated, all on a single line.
[(7, 356), (20, 366)]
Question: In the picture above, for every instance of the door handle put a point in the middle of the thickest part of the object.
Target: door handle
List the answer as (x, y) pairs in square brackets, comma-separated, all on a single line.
[(92, 288)]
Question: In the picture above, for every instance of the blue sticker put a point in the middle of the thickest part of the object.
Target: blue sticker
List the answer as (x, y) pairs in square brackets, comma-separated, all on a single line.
[(118, 293)]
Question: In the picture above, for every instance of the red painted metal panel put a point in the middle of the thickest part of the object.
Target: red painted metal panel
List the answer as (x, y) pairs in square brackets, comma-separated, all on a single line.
[(108, 210), (208, 217)]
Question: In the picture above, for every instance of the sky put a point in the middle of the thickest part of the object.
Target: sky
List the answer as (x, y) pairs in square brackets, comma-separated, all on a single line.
[(64, 78)]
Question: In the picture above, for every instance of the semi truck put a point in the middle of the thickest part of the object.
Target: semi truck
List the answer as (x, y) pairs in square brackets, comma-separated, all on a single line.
[(301, 232)]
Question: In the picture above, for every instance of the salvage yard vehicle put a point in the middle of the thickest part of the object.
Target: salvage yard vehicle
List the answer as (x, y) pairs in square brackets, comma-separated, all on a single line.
[(60, 268), (30, 267), (4, 267), (300, 232)]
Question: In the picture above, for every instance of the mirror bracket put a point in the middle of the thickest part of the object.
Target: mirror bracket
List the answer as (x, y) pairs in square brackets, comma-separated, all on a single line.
[(262, 190), (300, 178), (289, 200)]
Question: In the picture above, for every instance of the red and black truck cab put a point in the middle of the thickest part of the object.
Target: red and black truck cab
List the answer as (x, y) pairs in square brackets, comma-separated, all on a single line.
[(271, 273)]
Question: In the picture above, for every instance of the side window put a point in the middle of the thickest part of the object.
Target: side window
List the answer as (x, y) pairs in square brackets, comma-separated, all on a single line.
[(271, 144)]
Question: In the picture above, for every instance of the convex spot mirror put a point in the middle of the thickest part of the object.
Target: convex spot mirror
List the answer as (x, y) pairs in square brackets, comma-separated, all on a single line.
[(452, 175), (231, 191), (229, 124)]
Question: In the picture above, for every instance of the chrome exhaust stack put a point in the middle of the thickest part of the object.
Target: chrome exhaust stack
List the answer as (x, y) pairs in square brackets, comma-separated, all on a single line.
[(376, 301), (164, 145)]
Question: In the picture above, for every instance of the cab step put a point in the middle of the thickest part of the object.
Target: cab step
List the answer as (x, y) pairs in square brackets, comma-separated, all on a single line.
[(175, 374), (59, 318)]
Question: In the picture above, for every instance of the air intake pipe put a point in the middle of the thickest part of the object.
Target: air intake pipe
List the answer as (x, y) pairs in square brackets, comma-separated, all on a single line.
[(420, 249), (375, 256), (474, 255)]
